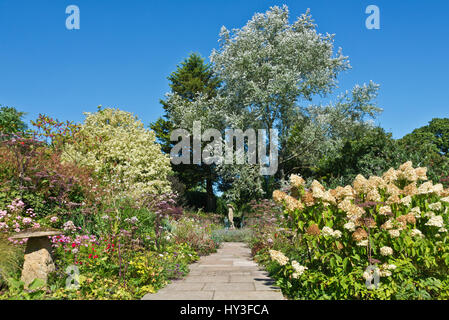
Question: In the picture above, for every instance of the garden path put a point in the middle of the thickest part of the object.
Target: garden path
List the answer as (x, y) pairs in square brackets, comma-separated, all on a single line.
[(228, 274)]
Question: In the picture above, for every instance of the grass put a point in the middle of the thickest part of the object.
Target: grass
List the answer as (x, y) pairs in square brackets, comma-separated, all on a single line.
[(11, 259)]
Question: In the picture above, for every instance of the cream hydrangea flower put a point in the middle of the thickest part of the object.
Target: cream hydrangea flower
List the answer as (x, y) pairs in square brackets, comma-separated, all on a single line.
[(425, 188), (390, 176), (363, 243), (416, 233), (326, 231), (385, 210), (385, 273), (337, 234), (437, 206), (329, 232), (416, 212), (279, 257), (299, 269), (386, 251), (350, 226), (421, 173), (297, 181), (407, 201), (436, 221), (387, 225), (395, 233), (360, 184)]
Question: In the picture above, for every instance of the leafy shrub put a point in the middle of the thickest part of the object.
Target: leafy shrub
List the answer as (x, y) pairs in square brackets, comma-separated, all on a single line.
[(396, 223), (198, 234), (31, 171), (122, 153)]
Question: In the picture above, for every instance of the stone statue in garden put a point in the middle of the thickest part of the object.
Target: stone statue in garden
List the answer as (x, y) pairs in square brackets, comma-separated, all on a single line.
[(231, 216)]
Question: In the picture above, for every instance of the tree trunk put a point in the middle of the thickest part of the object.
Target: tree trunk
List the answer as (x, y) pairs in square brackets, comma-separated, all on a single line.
[(210, 206)]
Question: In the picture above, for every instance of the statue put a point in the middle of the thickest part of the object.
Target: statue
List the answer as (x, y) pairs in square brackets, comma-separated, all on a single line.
[(231, 216)]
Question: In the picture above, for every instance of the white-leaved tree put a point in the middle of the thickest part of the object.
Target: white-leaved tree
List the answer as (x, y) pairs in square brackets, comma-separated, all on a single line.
[(269, 69), (269, 64)]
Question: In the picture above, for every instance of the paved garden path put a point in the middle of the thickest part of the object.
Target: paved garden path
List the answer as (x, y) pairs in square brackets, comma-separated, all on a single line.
[(228, 274)]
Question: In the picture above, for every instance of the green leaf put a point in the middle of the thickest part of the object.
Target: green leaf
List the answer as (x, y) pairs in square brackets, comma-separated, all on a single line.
[(36, 284)]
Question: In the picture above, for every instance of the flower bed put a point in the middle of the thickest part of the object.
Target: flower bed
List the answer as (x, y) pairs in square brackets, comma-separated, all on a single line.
[(391, 228)]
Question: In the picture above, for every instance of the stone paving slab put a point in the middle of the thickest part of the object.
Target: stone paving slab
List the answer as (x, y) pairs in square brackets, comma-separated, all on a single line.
[(228, 274)]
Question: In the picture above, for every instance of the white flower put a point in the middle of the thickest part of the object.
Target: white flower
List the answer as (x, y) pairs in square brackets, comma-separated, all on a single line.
[(416, 233), (337, 234), (394, 233), (429, 214), (279, 257), (416, 212), (367, 275), (446, 199), (436, 221), (391, 267), (385, 210), (384, 273), (363, 243), (386, 251), (327, 231), (435, 206), (442, 230), (349, 226), (298, 268), (407, 201)]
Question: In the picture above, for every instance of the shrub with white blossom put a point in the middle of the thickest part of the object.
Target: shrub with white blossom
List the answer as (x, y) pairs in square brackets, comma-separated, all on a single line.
[(122, 152)]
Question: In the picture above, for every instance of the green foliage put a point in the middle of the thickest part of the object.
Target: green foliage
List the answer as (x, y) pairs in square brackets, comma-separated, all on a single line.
[(11, 259), (54, 132), (197, 234), (11, 121), (192, 77), (373, 151), (436, 133)]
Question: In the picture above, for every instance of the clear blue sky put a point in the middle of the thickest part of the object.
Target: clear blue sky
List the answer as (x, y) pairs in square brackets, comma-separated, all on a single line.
[(124, 51)]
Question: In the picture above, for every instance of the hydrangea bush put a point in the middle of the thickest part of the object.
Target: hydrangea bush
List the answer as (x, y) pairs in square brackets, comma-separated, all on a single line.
[(394, 227)]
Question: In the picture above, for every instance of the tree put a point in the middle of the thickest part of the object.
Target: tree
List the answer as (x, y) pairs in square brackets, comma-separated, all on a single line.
[(321, 132), (435, 133), (428, 146), (122, 153), (192, 77), (374, 151), (269, 66), (11, 121)]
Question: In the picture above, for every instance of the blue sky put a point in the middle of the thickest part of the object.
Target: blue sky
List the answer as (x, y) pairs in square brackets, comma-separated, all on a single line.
[(124, 51)]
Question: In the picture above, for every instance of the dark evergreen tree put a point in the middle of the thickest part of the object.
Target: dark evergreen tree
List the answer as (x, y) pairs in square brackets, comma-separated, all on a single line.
[(191, 77)]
